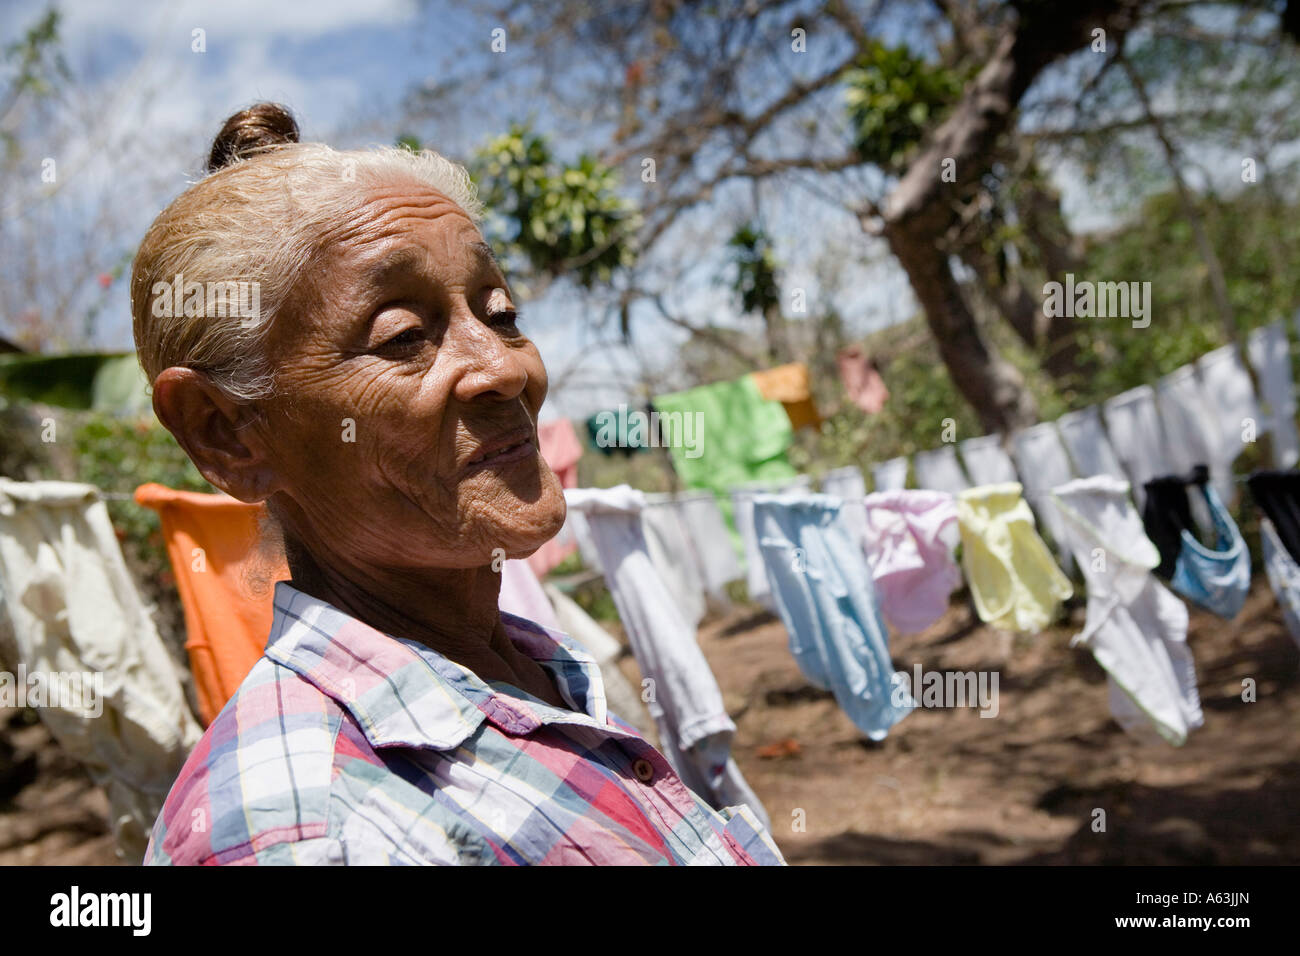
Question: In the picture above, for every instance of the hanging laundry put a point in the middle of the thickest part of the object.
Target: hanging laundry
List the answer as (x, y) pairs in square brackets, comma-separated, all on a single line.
[(690, 546), (1043, 462), (1189, 425), (561, 450), (1136, 435), (621, 431), (743, 509), (522, 594), (742, 438), (890, 475), (987, 462), (1270, 355), (621, 697), (823, 592), (848, 485), (1086, 441), (910, 539), (861, 377), (225, 584), (1135, 628), (575, 529), (673, 554), (1015, 584), (939, 470), (702, 518), (1217, 578), (695, 731), (1278, 495), (1231, 401), (85, 654), (789, 385), (121, 388), (1283, 576)]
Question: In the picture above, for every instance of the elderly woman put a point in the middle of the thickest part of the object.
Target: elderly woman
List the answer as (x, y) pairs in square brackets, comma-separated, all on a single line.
[(382, 400)]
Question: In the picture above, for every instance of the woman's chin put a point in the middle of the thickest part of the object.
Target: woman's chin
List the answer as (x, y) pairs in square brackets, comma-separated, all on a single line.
[(531, 527)]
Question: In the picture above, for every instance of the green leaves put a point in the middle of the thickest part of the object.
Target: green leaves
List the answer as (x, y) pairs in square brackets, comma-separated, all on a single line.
[(552, 218), (892, 97), (756, 279)]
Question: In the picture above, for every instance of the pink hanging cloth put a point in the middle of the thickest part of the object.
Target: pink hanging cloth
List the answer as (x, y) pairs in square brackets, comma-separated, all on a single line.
[(561, 449), (862, 379)]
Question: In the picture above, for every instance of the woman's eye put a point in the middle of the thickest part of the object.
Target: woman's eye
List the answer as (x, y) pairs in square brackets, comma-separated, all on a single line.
[(409, 337), (501, 313)]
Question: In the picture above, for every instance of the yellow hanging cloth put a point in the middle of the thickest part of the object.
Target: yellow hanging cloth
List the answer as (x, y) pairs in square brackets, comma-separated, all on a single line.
[(1014, 581)]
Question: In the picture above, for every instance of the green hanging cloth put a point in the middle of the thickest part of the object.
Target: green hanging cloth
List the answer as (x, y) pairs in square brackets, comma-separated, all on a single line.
[(741, 438)]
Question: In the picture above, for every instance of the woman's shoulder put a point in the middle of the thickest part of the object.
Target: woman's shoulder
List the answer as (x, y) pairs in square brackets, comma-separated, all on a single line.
[(260, 774)]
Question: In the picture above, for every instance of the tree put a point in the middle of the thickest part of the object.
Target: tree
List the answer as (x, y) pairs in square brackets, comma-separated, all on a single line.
[(907, 115)]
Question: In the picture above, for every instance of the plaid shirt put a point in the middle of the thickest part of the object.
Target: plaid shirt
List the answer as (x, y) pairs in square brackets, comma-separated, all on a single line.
[(347, 746)]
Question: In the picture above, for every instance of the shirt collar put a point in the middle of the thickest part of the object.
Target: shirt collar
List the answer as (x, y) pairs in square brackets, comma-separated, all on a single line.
[(405, 694)]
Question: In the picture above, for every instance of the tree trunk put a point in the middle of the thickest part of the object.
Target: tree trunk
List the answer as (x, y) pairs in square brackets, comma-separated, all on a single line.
[(919, 212), (778, 337), (1013, 302), (992, 386), (1044, 223)]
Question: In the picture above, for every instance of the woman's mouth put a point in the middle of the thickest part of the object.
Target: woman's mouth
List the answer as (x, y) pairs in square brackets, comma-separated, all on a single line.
[(516, 451)]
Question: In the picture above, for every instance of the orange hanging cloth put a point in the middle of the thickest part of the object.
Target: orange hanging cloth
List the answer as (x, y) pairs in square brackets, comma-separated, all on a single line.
[(226, 585), (789, 385)]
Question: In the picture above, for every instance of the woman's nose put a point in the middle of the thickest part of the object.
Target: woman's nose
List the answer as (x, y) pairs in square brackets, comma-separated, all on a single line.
[(484, 361)]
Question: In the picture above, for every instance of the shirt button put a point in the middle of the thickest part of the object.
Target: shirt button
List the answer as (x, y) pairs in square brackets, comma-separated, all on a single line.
[(644, 770)]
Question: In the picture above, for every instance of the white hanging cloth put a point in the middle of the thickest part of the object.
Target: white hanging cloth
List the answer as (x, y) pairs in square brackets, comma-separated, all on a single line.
[(890, 475), (939, 470), (1086, 441), (987, 462), (1270, 355)]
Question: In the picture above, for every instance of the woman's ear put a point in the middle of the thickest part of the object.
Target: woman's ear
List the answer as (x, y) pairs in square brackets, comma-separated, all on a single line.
[(214, 431)]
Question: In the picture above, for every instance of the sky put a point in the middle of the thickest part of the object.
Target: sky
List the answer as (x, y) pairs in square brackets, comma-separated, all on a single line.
[(344, 67)]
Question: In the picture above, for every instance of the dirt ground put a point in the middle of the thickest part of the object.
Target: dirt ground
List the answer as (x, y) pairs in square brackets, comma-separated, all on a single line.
[(946, 786)]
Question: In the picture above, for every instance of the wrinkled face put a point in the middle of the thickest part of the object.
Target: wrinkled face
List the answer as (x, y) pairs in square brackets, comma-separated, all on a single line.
[(404, 425)]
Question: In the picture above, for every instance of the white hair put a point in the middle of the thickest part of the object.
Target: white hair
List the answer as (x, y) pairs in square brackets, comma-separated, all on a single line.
[(262, 219)]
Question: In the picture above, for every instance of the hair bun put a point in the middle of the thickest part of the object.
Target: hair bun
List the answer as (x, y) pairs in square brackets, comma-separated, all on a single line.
[(250, 131)]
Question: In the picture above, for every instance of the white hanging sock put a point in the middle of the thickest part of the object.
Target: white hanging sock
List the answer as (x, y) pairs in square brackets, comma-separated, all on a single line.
[(890, 475), (575, 528), (939, 470), (1136, 628), (674, 557), (1231, 401), (1044, 464), (70, 611), (1270, 356), (850, 487), (707, 530), (1135, 433), (846, 483), (742, 513), (1283, 576), (695, 731), (986, 461), (1191, 433), (1086, 441), (1191, 430)]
